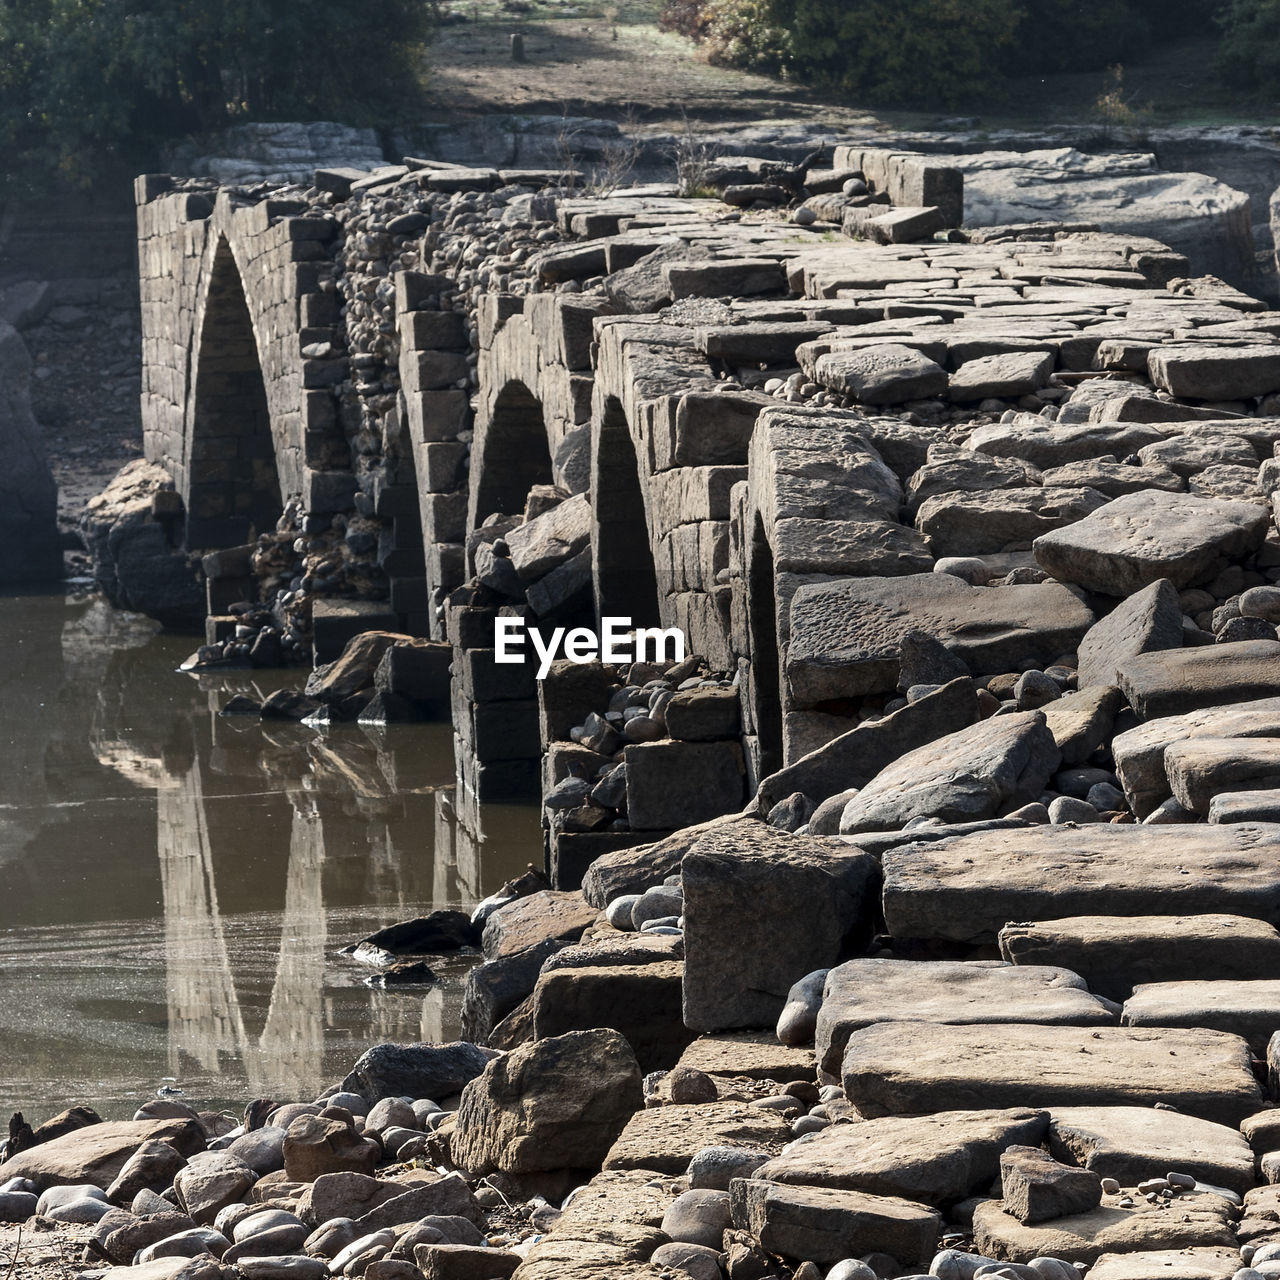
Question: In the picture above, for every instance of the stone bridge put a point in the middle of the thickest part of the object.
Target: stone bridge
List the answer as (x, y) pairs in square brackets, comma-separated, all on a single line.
[(436, 395)]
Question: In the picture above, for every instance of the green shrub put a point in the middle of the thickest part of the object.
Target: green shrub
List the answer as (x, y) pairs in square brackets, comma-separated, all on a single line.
[(1249, 55), (1056, 36)]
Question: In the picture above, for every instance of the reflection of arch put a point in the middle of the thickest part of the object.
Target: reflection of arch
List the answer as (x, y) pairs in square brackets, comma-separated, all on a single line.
[(622, 560), (762, 621), (232, 486), (511, 455)]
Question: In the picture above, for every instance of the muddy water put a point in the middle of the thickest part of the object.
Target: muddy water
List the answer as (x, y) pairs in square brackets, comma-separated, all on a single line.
[(175, 887)]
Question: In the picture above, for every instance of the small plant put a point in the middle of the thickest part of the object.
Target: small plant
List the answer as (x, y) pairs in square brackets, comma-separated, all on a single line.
[(1110, 107), (692, 156)]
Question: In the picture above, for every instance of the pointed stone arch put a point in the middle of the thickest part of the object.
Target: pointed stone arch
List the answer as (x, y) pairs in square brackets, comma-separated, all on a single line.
[(622, 559), (232, 485)]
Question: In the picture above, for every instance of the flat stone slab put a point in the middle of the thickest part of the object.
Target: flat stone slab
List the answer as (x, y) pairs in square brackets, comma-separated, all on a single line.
[(939, 1159), (1194, 1222), (1168, 1264), (886, 374), (1139, 538), (1202, 372), (1245, 806), (1200, 768), (1139, 752), (1175, 681), (1245, 1008), (821, 1225), (1057, 444), (859, 993), (757, 1055), (1113, 954), (1008, 373), (898, 1068), (1150, 619), (1131, 1144), (846, 634), (976, 524), (969, 775), (967, 888), (665, 1139)]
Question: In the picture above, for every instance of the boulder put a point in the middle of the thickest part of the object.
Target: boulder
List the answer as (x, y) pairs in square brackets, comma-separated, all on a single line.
[(1081, 722), (96, 1153), (1132, 1144), (885, 374), (968, 887), (1205, 372), (314, 1146), (528, 921), (861, 992), (1249, 1008), (211, 1183), (741, 902), (1113, 954), (822, 1225), (666, 1139), (906, 1067), (134, 561), (1139, 538), (992, 767), (1199, 1222), (415, 1070), (426, 1196), (1199, 768), (1150, 619), (846, 634), (463, 1262), (977, 524), (539, 545), (555, 1104), (938, 1159), (153, 1166), (1037, 1188), (855, 757), (1176, 681), (1005, 374)]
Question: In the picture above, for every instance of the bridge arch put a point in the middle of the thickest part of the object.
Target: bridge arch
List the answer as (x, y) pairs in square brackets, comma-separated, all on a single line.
[(510, 454)]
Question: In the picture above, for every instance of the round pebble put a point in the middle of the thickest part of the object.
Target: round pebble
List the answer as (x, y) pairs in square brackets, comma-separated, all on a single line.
[(804, 217), (698, 1217), (618, 912), (689, 1085), (1069, 809), (713, 1168), (1035, 689), (850, 1269), (969, 568)]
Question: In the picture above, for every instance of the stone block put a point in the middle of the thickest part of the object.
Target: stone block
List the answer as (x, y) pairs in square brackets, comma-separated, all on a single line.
[(680, 784)]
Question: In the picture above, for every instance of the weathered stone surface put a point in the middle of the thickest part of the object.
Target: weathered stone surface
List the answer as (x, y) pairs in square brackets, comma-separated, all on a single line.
[(1115, 953), (1057, 444), (905, 1067), (641, 1002), (555, 1104), (1139, 752), (1082, 722), (819, 1224), (1201, 1221), (1131, 1144), (1202, 372), (742, 951), (975, 524), (1246, 1008), (133, 560), (211, 1183), (464, 1262), (96, 1153), (619, 1255), (665, 1139), (884, 374), (636, 869), (1180, 680), (1148, 620), (1037, 1188), (315, 1146), (846, 635), (861, 992), (978, 772), (754, 1054), (535, 918), (1139, 538), (1199, 768), (854, 758), (415, 1070), (153, 1165), (424, 1196), (670, 784), (954, 471), (1009, 373), (938, 1159), (1170, 1264), (969, 887), (539, 545)]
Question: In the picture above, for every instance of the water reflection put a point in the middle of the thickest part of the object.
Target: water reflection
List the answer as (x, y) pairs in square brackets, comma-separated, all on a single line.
[(174, 886)]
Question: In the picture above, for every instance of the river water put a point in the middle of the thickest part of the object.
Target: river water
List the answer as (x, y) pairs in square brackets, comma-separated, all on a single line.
[(175, 887)]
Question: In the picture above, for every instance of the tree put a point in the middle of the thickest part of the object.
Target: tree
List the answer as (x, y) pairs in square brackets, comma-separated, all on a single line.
[(85, 83)]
